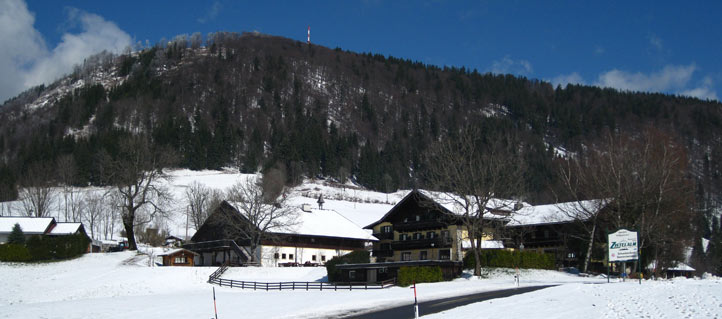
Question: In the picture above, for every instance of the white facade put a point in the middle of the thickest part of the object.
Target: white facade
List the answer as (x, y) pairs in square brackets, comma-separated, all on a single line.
[(272, 256)]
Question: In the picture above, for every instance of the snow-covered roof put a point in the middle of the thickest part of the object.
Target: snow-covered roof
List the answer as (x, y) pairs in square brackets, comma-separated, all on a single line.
[(453, 204), (359, 213), (173, 251), (554, 213), (29, 225), (65, 229), (321, 222)]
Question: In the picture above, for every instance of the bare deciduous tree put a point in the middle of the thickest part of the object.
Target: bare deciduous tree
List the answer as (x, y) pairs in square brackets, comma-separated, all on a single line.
[(644, 182), (202, 201), (263, 213), (94, 203), (137, 175), (37, 193), (66, 174), (470, 172)]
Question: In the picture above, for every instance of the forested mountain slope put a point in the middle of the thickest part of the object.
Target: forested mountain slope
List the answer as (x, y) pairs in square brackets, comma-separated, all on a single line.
[(255, 101)]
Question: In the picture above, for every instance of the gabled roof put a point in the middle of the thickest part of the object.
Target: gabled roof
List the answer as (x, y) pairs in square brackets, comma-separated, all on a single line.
[(65, 229), (555, 213), (29, 225), (449, 204), (320, 222), (177, 250), (412, 195)]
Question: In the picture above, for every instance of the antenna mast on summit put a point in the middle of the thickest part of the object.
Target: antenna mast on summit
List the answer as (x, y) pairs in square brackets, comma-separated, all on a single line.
[(309, 35)]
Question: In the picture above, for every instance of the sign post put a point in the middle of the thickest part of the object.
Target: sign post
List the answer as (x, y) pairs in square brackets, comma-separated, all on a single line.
[(622, 245)]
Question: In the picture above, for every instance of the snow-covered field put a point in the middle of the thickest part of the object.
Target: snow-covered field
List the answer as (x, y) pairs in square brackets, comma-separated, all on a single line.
[(361, 206), (122, 285)]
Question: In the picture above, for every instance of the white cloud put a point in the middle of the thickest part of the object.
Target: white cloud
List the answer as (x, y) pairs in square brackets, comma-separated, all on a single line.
[(21, 45), (564, 79), (670, 79), (704, 91), (211, 14), (25, 59), (674, 79), (507, 65)]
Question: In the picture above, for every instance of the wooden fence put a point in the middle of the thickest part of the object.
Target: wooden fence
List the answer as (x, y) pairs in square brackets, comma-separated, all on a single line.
[(215, 278)]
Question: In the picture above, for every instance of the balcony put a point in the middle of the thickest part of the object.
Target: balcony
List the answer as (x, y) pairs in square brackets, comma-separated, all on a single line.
[(382, 253), (382, 236), (419, 225), (421, 243)]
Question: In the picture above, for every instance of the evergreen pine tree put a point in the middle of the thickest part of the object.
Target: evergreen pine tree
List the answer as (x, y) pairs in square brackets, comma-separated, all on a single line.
[(16, 235)]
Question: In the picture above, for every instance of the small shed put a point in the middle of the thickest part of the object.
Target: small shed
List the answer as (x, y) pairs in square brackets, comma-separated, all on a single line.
[(173, 241), (178, 257)]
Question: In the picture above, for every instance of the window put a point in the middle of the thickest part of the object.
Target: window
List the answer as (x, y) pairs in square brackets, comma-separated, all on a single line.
[(313, 257), (418, 218), (351, 274), (445, 254), (323, 258), (403, 237), (430, 235), (180, 260), (406, 256), (445, 233), (275, 256), (418, 236), (283, 256), (290, 256), (386, 229), (406, 219), (546, 234), (423, 255)]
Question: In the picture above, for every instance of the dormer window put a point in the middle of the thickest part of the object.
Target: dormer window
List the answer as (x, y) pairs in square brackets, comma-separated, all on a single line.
[(386, 229)]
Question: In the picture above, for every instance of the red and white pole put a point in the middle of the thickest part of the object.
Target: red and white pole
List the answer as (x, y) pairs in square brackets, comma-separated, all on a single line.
[(214, 302), (416, 304)]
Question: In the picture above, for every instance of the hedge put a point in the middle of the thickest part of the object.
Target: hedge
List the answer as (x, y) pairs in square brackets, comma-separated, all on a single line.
[(510, 259), (14, 252), (354, 257), (409, 275), (38, 248)]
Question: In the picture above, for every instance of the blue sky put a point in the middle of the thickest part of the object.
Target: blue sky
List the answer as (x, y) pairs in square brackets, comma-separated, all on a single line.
[(656, 46)]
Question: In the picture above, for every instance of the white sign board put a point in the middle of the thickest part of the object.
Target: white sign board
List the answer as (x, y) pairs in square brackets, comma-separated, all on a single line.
[(623, 245)]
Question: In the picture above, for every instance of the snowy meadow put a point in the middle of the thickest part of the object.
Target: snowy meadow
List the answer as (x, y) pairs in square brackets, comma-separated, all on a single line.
[(124, 285)]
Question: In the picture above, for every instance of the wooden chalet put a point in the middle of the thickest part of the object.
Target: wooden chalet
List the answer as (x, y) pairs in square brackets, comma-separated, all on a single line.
[(179, 257), (549, 229), (317, 236), (420, 228)]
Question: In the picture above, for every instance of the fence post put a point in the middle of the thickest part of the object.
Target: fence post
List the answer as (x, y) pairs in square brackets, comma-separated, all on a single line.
[(349, 286)]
